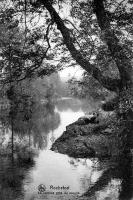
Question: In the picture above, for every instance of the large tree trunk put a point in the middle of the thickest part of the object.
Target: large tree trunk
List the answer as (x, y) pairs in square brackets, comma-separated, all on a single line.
[(123, 86), (123, 63), (107, 82), (117, 50)]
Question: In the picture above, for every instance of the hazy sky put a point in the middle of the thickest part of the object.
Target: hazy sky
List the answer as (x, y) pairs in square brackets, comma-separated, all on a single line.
[(71, 72)]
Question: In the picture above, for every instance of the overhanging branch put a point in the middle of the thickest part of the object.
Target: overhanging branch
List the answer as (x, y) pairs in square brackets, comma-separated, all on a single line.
[(108, 83)]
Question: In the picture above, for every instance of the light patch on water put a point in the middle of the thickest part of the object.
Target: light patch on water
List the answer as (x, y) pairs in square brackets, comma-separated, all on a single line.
[(56, 169)]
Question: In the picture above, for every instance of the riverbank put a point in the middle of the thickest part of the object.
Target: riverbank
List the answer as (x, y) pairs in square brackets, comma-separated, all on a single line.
[(98, 139)]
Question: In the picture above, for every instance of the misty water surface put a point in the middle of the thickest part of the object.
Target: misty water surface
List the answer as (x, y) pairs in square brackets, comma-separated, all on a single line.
[(26, 160)]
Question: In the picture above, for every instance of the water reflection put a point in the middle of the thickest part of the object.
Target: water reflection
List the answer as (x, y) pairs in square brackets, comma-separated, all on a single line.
[(12, 174), (73, 104), (42, 121), (27, 162), (116, 181)]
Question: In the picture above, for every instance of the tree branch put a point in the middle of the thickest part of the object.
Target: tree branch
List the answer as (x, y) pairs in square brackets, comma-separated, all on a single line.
[(109, 83), (46, 36), (116, 49)]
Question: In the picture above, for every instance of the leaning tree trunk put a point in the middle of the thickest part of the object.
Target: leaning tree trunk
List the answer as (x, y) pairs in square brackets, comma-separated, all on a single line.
[(124, 86), (123, 104), (116, 49)]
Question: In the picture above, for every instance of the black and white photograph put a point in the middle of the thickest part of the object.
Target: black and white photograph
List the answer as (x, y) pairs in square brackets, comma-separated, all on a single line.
[(66, 99)]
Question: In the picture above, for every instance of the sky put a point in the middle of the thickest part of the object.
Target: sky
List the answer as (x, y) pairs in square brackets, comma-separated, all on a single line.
[(71, 72)]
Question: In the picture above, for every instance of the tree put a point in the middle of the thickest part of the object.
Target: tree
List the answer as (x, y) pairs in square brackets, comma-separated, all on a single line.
[(20, 57), (100, 40), (112, 42), (103, 38), (87, 88)]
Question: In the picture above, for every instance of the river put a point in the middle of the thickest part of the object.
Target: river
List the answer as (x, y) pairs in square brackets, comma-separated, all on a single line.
[(29, 170)]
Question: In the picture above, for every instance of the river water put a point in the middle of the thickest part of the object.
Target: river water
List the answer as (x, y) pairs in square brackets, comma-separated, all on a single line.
[(29, 170)]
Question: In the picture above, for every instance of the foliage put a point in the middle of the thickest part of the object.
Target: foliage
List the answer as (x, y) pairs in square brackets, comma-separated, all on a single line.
[(20, 57), (97, 35), (88, 88), (93, 34)]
